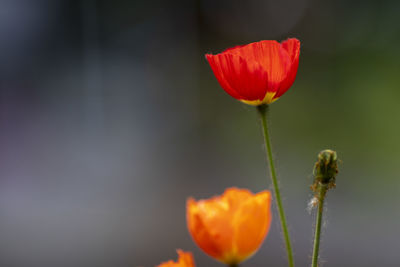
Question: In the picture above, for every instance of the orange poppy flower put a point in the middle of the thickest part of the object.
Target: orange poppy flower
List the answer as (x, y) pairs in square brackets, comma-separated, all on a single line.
[(257, 73), (231, 227), (185, 260)]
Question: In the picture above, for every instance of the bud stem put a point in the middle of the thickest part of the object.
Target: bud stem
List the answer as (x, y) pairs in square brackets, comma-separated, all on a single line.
[(263, 111), (325, 171), (321, 197), (233, 265)]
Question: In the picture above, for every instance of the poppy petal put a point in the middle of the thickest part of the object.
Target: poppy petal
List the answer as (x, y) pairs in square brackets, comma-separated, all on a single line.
[(292, 47), (243, 80), (252, 223), (230, 227), (213, 235), (185, 260), (270, 56), (257, 73)]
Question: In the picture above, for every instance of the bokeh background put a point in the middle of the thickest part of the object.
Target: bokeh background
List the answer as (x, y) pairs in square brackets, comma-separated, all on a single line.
[(111, 117)]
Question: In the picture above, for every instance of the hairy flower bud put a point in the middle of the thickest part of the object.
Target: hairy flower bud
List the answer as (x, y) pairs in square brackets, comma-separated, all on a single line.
[(325, 170)]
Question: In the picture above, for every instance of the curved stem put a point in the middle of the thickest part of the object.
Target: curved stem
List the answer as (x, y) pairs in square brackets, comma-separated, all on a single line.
[(317, 237), (263, 110)]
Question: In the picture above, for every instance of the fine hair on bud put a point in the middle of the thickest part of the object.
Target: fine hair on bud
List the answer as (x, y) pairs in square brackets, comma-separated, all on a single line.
[(325, 170)]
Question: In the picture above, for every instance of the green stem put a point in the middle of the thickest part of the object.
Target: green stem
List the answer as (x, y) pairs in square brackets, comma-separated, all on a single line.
[(317, 237), (263, 110)]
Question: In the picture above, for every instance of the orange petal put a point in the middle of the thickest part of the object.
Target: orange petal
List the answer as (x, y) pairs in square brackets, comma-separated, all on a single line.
[(230, 227), (208, 223), (251, 224), (185, 260)]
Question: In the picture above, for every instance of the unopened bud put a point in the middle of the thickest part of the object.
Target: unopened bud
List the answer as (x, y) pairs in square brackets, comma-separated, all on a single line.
[(325, 170)]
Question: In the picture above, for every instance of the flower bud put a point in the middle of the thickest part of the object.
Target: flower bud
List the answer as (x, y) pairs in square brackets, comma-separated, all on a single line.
[(325, 170)]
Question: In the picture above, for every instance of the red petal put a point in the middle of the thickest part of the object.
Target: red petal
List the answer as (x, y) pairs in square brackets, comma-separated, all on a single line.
[(241, 78), (292, 47), (273, 58)]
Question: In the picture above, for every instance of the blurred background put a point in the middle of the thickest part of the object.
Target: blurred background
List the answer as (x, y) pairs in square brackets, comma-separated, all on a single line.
[(111, 118)]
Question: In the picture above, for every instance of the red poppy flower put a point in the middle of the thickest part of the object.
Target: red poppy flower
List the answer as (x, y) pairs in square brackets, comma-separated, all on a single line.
[(231, 227), (185, 260), (257, 73)]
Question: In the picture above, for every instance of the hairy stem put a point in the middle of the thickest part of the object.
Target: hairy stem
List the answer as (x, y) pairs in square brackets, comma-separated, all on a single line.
[(317, 236), (263, 110)]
